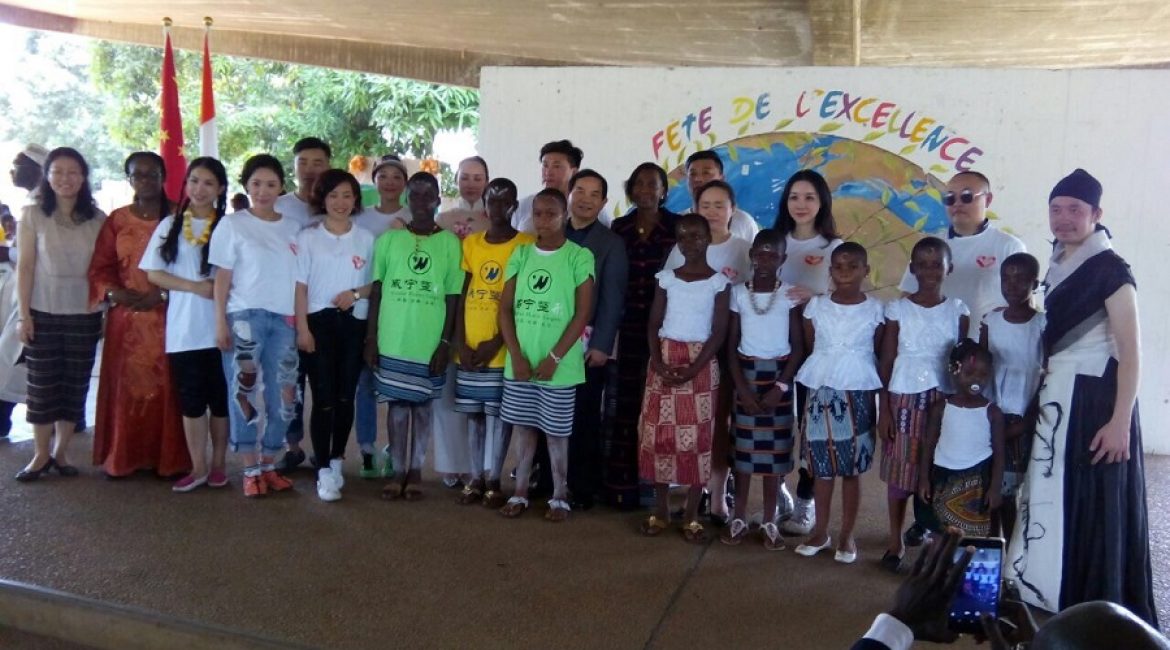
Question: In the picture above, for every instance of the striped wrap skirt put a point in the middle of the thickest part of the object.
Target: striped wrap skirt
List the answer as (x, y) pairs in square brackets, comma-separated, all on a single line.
[(60, 363), (548, 408), (479, 391), (401, 381)]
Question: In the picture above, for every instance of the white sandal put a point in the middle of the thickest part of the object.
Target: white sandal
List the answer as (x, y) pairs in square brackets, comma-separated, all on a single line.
[(736, 531), (772, 539)]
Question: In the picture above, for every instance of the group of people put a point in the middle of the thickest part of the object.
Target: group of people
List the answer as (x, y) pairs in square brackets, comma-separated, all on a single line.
[(678, 351)]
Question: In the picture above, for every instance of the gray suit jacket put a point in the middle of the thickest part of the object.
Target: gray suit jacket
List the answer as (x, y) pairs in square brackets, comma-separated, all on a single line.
[(611, 268)]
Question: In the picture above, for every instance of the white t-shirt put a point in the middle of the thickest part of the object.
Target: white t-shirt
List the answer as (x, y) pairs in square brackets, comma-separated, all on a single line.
[(807, 264), (291, 206), (690, 306), (926, 336), (842, 356), (975, 280), (729, 258), (328, 264), (742, 225), (262, 256), (376, 222), (190, 317), (764, 336)]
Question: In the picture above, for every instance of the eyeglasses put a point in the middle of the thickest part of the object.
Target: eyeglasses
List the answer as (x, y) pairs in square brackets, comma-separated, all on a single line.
[(966, 196)]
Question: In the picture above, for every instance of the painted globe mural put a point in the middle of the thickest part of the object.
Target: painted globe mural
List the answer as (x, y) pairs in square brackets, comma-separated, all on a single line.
[(880, 200)]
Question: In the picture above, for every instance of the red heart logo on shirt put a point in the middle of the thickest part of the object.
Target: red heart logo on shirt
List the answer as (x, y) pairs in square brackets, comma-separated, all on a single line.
[(358, 262), (813, 260), (730, 272), (985, 261)]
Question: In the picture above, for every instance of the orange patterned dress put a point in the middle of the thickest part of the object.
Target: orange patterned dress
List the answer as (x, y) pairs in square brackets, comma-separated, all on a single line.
[(139, 424)]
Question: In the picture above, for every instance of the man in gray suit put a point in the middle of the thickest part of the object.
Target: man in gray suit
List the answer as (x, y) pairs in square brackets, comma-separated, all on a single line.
[(587, 196)]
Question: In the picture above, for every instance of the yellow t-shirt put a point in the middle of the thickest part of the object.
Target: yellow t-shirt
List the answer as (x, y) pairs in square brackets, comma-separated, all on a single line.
[(485, 263)]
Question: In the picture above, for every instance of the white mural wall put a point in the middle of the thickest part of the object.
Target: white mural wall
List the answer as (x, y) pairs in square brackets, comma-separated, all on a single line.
[(886, 140)]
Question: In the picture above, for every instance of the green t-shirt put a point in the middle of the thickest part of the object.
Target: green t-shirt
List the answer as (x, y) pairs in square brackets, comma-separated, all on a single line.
[(417, 275), (546, 288)]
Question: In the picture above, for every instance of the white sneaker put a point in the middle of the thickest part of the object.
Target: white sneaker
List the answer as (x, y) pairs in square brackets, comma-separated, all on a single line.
[(327, 486), (338, 477), (804, 517), (784, 504)]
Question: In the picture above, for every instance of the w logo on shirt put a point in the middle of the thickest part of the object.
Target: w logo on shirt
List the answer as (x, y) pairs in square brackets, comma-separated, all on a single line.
[(539, 281), (420, 262), (490, 272)]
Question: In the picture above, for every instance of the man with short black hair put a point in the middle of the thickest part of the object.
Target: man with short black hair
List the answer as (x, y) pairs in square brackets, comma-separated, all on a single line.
[(706, 166), (310, 159), (559, 160), (588, 192)]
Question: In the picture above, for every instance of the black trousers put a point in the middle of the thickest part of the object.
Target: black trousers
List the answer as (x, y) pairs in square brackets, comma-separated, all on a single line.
[(585, 444), (333, 370)]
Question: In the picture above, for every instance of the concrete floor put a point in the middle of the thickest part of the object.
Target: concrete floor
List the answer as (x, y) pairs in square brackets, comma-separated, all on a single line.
[(364, 573)]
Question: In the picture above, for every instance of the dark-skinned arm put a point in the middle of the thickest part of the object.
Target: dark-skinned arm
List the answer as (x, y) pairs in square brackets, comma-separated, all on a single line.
[(521, 368), (929, 442), (442, 355), (995, 416), (887, 355), (371, 348)]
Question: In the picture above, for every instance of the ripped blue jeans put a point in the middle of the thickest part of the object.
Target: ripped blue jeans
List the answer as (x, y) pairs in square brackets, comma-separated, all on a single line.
[(263, 355)]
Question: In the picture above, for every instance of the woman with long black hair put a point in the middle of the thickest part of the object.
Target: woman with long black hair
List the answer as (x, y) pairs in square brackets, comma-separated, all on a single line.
[(176, 261)]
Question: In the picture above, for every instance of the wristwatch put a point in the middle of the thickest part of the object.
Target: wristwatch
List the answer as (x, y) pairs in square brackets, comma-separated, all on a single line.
[(782, 386), (356, 295), (164, 294)]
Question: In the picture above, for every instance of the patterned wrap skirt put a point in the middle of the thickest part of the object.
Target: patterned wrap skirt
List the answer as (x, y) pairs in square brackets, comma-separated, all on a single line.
[(409, 382), (676, 427), (763, 441), (957, 500), (548, 408), (899, 466), (479, 391), (60, 362), (838, 431)]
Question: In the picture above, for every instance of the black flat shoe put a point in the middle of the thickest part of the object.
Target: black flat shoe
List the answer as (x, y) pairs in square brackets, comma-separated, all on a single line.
[(30, 475), (891, 562), (64, 470)]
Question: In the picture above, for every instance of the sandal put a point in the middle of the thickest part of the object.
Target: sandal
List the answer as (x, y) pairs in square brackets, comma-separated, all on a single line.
[(891, 562), (515, 507), (652, 526), (392, 491), (772, 539), (735, 533), (493, 499), (695, 533), (470, 495), (411, 493), (558, 510)]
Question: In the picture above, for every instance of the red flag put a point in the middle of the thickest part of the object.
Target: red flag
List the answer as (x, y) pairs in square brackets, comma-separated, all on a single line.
[(171, 145), (208, 136)]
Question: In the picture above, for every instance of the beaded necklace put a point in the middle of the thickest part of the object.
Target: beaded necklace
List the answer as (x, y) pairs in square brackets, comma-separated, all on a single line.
[(771, 299), (188, 234)]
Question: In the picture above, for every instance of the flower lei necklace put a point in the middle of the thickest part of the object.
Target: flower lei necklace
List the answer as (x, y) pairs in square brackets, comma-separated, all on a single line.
[(188, 217), (771, 299)]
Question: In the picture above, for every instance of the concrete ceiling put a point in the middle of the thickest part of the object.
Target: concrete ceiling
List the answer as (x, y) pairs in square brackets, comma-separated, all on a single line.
[(447, 41)]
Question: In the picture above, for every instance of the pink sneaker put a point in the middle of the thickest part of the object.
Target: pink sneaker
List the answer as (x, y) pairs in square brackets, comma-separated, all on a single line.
[(217, 479), (188, 483)]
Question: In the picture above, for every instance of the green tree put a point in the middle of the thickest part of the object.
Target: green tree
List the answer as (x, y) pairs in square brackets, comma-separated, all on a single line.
[(48, 99), (264, 106)]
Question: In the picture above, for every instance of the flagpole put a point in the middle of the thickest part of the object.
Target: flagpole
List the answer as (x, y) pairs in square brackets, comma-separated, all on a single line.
[(208, 131)]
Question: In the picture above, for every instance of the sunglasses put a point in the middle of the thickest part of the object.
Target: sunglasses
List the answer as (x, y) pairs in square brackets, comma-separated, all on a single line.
[(950, 198)]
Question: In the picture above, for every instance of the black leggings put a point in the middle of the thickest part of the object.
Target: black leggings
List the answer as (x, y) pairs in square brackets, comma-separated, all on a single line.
[(333, 371)]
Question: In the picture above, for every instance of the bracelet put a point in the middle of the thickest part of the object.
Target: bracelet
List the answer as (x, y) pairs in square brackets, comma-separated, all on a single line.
[(782, 386), (110, 296), (444, 342), (554, 356), (164, 295)]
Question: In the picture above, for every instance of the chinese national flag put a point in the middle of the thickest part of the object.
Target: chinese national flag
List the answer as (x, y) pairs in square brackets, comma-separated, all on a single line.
[(171, 145)]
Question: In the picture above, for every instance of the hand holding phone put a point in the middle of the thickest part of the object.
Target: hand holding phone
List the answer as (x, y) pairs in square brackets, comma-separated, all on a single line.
[(979, 593)]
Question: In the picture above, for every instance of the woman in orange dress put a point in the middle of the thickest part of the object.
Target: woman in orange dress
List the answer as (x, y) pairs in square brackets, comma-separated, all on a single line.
[(139, 424)]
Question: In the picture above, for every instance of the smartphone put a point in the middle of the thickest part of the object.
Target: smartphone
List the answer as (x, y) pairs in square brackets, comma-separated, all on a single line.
[(982, 585)]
